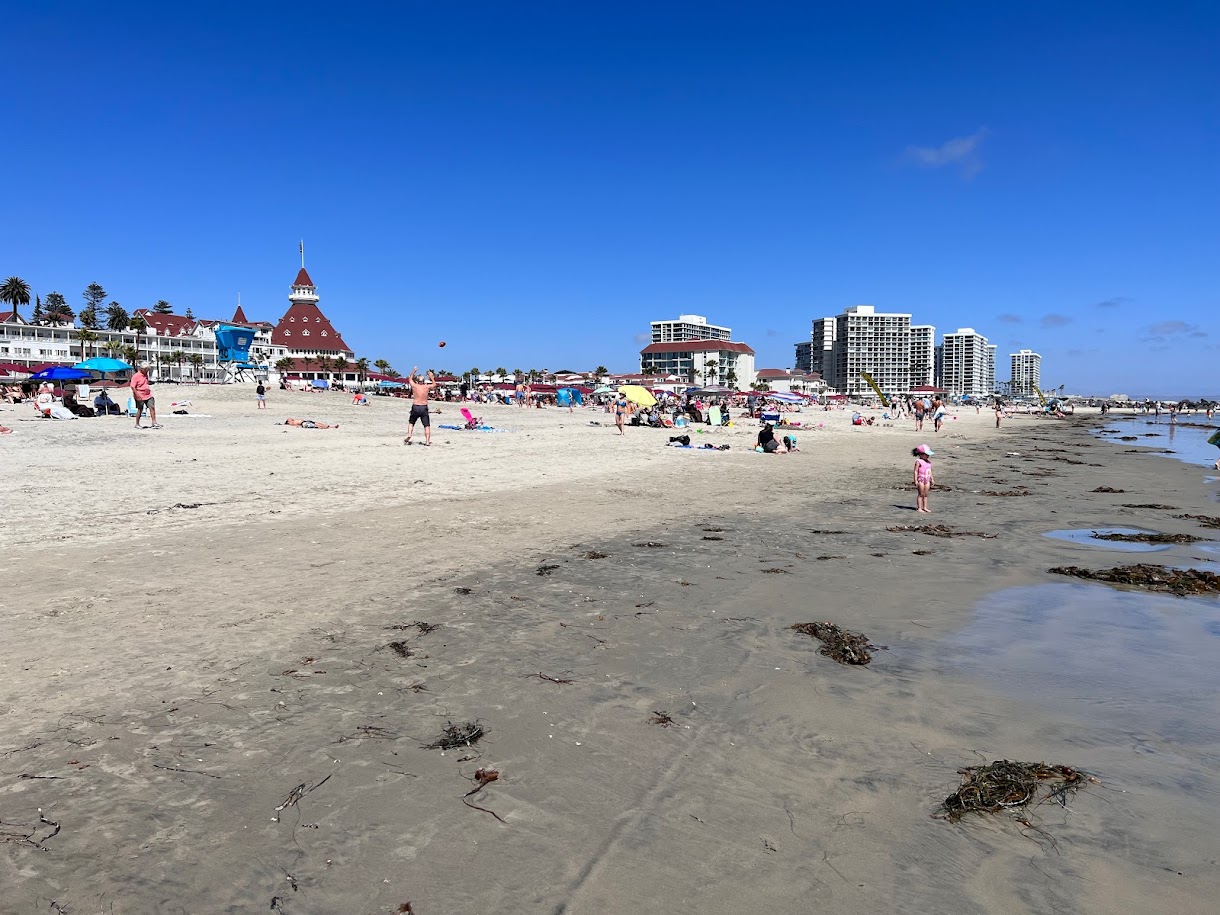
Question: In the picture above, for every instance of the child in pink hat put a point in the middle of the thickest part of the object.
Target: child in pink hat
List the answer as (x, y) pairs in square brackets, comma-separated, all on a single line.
[(923, 477)]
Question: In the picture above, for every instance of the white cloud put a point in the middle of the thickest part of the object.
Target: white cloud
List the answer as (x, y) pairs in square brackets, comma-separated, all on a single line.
[(962, 152)]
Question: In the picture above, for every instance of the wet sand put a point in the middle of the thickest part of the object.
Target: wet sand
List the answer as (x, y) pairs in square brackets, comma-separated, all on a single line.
[(171, 679)]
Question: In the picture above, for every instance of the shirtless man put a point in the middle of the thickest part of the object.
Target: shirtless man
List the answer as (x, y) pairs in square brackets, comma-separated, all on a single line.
[(420, 389)]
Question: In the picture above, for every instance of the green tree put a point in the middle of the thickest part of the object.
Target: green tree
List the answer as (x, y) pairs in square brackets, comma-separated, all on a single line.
[(503, 373), (339, 366), (16, 292), (130, 354), (362, 366), (474, 375), (113, 348), (382, 366), (196, 361), (37, 317), (177, 357), (730, 378), (163, 307), (600, 372), (86, 335), (138, 325), (94, 295), (711, 371), (117, 317), (56, 309), (284, 366), (190, 315), (89, 317)]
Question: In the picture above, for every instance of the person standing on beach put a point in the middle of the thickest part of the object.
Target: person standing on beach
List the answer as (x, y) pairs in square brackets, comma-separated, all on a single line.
[(141, 392), (999, 413), (924, 480), (920, 408), (620, 411), (938, 414), (261, 393), (420, 389)]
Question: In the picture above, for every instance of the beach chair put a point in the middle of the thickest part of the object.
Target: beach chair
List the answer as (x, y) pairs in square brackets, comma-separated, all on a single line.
[(472, 421), (131, 406)]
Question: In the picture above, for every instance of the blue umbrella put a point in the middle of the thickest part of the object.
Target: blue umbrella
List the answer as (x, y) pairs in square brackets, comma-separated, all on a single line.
[(59, 373), (104, 365)]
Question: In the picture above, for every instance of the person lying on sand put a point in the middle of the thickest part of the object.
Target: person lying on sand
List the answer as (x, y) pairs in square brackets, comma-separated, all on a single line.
[(307, 424)]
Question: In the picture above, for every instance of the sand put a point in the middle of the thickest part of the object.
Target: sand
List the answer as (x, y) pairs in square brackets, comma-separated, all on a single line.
[(205, 701)]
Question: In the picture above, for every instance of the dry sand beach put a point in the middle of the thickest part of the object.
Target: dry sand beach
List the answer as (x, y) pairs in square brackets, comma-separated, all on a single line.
[(224, 708)]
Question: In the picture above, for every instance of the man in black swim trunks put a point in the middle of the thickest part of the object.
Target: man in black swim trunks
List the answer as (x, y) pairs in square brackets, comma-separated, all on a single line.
[(420, 389)]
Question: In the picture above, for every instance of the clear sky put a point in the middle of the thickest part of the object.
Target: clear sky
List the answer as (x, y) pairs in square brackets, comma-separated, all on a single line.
[(534, 182)]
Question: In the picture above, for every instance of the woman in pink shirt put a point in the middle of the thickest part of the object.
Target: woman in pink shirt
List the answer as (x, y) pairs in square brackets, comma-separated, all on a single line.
[(141, 391)]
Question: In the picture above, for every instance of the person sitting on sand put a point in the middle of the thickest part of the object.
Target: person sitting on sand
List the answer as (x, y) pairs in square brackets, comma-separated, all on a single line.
[(766, 440), (308, 424), (105, 406), (790, 443)]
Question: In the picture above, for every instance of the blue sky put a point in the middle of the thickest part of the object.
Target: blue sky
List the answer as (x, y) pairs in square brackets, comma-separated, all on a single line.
[(535, 182)]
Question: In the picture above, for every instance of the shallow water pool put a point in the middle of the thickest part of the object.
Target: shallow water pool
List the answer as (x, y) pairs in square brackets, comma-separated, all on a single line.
[(1084, 537)]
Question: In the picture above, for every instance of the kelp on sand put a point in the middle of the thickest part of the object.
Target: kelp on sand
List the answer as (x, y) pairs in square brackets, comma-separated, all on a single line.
[(842, 645), (1147, 577), (1005, 785)]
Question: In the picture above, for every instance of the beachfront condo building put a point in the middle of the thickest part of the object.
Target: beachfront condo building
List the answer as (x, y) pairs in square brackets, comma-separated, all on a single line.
[(804, 357), (1026, 373), (702, 362), (968, 364), (687, 328), (863, 340), (923, 355)]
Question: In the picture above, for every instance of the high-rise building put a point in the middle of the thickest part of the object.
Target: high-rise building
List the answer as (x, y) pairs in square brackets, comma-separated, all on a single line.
[(923, 355), (804, 357), (687, 328), (860, 340), (968, 364), (1026, 373)]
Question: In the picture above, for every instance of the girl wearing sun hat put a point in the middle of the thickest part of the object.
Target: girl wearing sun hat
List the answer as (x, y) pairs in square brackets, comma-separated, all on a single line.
[(923, 476)]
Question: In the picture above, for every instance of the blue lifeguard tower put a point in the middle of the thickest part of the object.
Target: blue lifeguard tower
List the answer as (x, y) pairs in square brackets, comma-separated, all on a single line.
[(233, 344)]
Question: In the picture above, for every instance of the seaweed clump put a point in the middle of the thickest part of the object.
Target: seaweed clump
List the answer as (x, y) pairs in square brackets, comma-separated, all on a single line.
[(1107, 489), (937, 530), (1204, 520), (1005, 785), (457, 735), (1180, 582), (1144, 537), (840, 644)]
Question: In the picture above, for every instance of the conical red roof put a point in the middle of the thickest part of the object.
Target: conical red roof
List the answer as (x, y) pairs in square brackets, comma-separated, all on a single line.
[(304, 327), (239, 316), (303, 279)]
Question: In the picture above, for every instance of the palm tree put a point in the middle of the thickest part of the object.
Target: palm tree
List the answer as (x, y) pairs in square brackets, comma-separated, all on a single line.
[(117, 317), (16, 292), (139, 325), (503, 373), (86, 336), (474, 375), (130, 354), (113, 348), (730, 378), (284, 366), (711, 370), (362, 367), (340, 366), (600, 372), (382, 366), (177, 357), (196, 361)]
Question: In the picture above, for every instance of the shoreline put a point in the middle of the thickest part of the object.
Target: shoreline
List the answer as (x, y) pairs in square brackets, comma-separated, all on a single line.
[(785, 776)]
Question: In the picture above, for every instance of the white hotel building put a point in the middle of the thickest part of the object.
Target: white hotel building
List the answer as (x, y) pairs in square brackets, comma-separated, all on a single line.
[(968, 364), (860, 340), (687, 328)]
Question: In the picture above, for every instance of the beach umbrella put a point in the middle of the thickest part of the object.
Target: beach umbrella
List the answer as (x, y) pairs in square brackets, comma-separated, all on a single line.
[(604, 390), (59, 373), (784, 397), (103, 364), (637, 395)]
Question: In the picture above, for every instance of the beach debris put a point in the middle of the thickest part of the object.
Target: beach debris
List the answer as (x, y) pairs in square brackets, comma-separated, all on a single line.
[(425, 628), (827, 532), (776, 571), (595, 554), (910, 487), (662, 718), (1128, 438), (707, 537), (402, 649), (652, 544), (1106, 489), (1180, 582), (457, 735), (1204, 520), (294, 796), (922, 552), (405, 909), (1157, 505), (714, 530), (937, 530), (12, 834), (842, 645), (1144, 537), (368, 732), (1007, 492), (824, 558), (462, 590), (482, 778), (1004, 785), (541, 676), (187, 504), (545, 570)]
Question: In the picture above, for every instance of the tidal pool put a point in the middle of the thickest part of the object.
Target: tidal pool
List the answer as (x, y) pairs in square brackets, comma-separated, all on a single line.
[(1084, 537)]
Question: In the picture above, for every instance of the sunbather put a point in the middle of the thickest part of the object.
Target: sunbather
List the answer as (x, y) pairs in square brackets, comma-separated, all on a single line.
[(309, 424)]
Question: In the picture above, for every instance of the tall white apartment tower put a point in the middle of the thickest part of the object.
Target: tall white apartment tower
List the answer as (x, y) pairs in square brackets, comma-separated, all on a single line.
[(923, 355), (864, 340), (1026, 372), (687, 328), (968, 364)]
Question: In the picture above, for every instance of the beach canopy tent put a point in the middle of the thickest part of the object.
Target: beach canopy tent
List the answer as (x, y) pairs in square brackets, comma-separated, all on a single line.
[(567, 396), (12, 368), (59, 373), (637, 395), (320, 383)]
